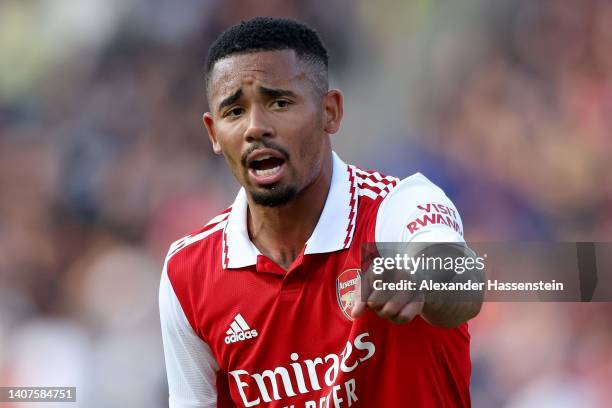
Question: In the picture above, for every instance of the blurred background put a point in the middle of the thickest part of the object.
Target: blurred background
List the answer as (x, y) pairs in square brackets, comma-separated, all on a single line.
[(103, 162)]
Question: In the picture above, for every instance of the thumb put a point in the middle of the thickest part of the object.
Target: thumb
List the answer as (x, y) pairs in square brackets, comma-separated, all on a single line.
[(359, 304)]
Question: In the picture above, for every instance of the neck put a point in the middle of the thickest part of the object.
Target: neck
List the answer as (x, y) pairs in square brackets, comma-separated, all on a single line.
[(280, 233)]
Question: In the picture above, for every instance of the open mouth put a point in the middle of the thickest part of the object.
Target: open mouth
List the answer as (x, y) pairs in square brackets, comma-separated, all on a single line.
[(265, 166)]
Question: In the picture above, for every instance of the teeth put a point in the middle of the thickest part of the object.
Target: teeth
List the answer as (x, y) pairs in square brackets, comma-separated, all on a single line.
[(264, 157), (268, 172)]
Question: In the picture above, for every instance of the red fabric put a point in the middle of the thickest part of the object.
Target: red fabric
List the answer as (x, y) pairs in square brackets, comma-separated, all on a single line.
[(298, 311)]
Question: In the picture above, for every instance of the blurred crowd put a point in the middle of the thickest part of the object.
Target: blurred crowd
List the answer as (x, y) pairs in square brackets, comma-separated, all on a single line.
[(103, 162)]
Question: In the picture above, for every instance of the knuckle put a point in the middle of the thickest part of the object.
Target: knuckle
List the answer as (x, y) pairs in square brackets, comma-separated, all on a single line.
[(384, 314), (399, 320)]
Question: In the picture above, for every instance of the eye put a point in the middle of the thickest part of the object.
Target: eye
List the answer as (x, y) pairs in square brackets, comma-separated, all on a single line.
[(281, 103), (235, 111)]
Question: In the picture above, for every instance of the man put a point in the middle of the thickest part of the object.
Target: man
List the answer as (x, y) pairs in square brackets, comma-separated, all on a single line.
[(254, 305)]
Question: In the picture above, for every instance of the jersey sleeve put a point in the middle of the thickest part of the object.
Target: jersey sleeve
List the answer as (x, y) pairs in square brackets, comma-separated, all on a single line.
[(417, 210), (190, 365)]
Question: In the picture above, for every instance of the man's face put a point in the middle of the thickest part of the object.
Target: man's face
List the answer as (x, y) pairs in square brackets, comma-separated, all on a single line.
[(269, 123)]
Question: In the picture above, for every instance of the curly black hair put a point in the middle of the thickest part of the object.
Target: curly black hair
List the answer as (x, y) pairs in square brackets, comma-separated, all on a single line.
[(270, 34)]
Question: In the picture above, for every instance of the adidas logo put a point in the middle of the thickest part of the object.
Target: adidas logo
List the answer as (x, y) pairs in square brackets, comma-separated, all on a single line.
[(239, 331)]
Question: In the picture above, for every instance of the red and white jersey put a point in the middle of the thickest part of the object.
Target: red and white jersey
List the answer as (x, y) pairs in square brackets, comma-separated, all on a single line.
[(238, 330)]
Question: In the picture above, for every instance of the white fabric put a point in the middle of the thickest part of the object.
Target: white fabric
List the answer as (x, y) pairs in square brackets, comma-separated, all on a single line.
[(241, 251), (331, 229), (400, 207), (190, 365)]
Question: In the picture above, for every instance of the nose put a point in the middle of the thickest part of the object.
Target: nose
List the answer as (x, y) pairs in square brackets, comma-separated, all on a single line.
[(258, 125)]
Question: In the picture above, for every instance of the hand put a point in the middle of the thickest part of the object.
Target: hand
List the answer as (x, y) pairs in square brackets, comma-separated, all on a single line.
[(396, 306)]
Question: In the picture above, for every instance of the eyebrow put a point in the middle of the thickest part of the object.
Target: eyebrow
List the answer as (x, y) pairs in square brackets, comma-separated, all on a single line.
[(275, 93), (272, 93), (230, 99)]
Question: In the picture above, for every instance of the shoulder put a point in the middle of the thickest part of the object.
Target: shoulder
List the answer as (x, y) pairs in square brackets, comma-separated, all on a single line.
[(414, 206), (190, 259), (414, 189), (368, 190), (206, 240), (372, 184)]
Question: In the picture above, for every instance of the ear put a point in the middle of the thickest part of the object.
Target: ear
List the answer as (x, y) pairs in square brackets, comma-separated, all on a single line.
[(208, 121), (333, 109)]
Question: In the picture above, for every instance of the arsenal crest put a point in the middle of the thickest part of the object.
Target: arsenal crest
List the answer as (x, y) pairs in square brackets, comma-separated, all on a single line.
[(346, 288)]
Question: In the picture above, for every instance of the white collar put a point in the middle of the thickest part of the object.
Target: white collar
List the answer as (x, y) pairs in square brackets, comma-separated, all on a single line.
[(334, 230)]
